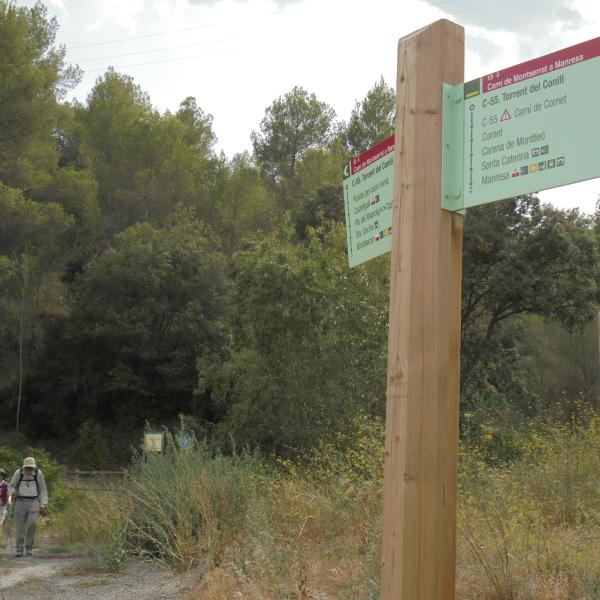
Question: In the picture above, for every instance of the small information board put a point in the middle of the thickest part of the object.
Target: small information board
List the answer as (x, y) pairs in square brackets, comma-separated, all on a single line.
[(367, 184), (154, 442), (527, 128)]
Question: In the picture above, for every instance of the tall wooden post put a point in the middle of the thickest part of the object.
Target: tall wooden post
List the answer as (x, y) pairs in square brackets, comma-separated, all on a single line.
[(420, 495)]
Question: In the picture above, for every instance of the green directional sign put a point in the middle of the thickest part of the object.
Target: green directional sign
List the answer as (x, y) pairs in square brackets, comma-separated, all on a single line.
[(367, 184), (525, 129)]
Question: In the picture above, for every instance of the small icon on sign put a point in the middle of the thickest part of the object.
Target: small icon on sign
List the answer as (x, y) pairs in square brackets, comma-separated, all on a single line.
[(544, 150), (505, 115), (375, 200), (524, 170), (560, 161), (542, 165), (535, 152), (551, 163), (533, 168), (516, 173)]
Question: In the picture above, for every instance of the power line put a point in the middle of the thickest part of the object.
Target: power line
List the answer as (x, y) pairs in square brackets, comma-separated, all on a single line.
[(80, 60), (438, 5), (156, 62), (444, 3), (138, 37), (497, 5), (149, 35)]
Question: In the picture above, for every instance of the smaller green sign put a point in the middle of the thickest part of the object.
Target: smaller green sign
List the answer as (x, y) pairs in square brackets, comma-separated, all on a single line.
[(368, 196)]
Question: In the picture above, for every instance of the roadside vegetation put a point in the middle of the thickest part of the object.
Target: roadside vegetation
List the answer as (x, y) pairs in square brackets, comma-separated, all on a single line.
[(275, 528)]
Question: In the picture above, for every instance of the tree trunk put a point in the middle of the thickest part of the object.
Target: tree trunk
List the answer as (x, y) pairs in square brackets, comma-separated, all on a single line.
[(20, 394)]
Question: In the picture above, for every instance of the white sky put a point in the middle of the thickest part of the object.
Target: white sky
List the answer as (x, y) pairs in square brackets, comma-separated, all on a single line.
[(237, 56)]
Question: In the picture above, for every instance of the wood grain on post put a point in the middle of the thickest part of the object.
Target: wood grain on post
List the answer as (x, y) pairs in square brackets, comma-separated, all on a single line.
[(420, 495)]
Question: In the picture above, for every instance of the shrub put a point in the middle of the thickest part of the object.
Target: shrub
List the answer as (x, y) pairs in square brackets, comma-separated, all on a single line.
[(90, 450), (529, 526), (189, 506)]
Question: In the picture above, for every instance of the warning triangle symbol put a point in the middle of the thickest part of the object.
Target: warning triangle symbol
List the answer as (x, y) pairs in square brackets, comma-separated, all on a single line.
[(505, 115)]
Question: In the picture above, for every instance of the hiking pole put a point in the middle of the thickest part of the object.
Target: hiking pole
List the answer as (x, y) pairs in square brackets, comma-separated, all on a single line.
[(4, 519)]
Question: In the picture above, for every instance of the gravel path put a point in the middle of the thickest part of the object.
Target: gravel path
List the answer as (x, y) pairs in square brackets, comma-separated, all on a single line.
[(49, 578)]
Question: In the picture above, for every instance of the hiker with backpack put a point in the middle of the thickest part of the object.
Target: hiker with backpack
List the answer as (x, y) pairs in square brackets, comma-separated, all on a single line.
[(30, 496)]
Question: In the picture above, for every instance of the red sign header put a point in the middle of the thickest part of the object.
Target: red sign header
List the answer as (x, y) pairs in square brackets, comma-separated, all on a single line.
[(368, 157), (542, 65)]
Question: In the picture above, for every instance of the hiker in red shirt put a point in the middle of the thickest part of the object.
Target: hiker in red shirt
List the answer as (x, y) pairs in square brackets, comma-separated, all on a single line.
[(4, 498)]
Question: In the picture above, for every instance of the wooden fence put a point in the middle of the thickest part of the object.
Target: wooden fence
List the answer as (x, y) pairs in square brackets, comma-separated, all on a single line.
[(96, 481)]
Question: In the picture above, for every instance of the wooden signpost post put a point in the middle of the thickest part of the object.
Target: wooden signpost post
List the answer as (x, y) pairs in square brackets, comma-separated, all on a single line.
[(421, 451), (527, 128)]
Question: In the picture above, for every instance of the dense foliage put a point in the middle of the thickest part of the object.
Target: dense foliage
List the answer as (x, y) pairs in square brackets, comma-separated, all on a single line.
[(143, 276)]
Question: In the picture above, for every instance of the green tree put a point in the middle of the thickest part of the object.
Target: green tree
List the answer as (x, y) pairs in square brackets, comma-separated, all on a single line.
[(561, 364), (320, 210), (69, 136), (246, 208), (76, 191), (321, 167), (520, 258), (292, 125), (145, 163), (116, 106), (32, 242), (144, 310), (319, 196), (372, 120), (308, 344), (33, 77), (198, 133)]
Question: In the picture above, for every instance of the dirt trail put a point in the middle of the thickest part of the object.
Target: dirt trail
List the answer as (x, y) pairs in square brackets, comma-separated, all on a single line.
[(49, 578), (13, 575)]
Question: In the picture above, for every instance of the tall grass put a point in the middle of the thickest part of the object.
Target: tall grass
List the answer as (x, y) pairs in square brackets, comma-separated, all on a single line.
[(95, 525), (190, 506), (268, 529), (529, 528), (274, 530)]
